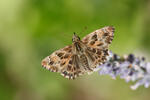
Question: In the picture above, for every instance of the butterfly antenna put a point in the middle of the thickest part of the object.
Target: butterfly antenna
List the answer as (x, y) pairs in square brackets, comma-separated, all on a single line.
[(66, 37), (83, 31)]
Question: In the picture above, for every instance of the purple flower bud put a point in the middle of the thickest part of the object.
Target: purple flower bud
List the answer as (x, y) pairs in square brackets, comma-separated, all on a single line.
[(129, 68)]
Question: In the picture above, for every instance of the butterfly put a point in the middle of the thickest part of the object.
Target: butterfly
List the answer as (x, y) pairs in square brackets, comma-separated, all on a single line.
[(82, 56)]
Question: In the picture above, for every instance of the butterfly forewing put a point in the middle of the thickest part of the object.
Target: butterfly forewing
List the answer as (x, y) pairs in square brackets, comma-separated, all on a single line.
[(64, 62), (100, 38), (97, 44)]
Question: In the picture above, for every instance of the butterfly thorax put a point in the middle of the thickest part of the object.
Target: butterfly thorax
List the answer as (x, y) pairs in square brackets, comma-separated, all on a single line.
[(78, 46)]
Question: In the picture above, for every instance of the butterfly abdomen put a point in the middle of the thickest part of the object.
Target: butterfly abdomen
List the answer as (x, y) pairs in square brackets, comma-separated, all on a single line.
[(84, 62)]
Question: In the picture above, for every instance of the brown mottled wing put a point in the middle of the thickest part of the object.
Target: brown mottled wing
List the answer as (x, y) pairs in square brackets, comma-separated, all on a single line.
[(100, 38), (97, 44), (64, 62)]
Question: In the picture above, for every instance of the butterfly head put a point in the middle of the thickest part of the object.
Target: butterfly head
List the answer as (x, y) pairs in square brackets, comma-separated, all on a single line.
[(75, 38)]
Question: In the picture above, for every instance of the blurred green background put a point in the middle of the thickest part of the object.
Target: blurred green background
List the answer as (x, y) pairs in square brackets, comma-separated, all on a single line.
[(32, 29)]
